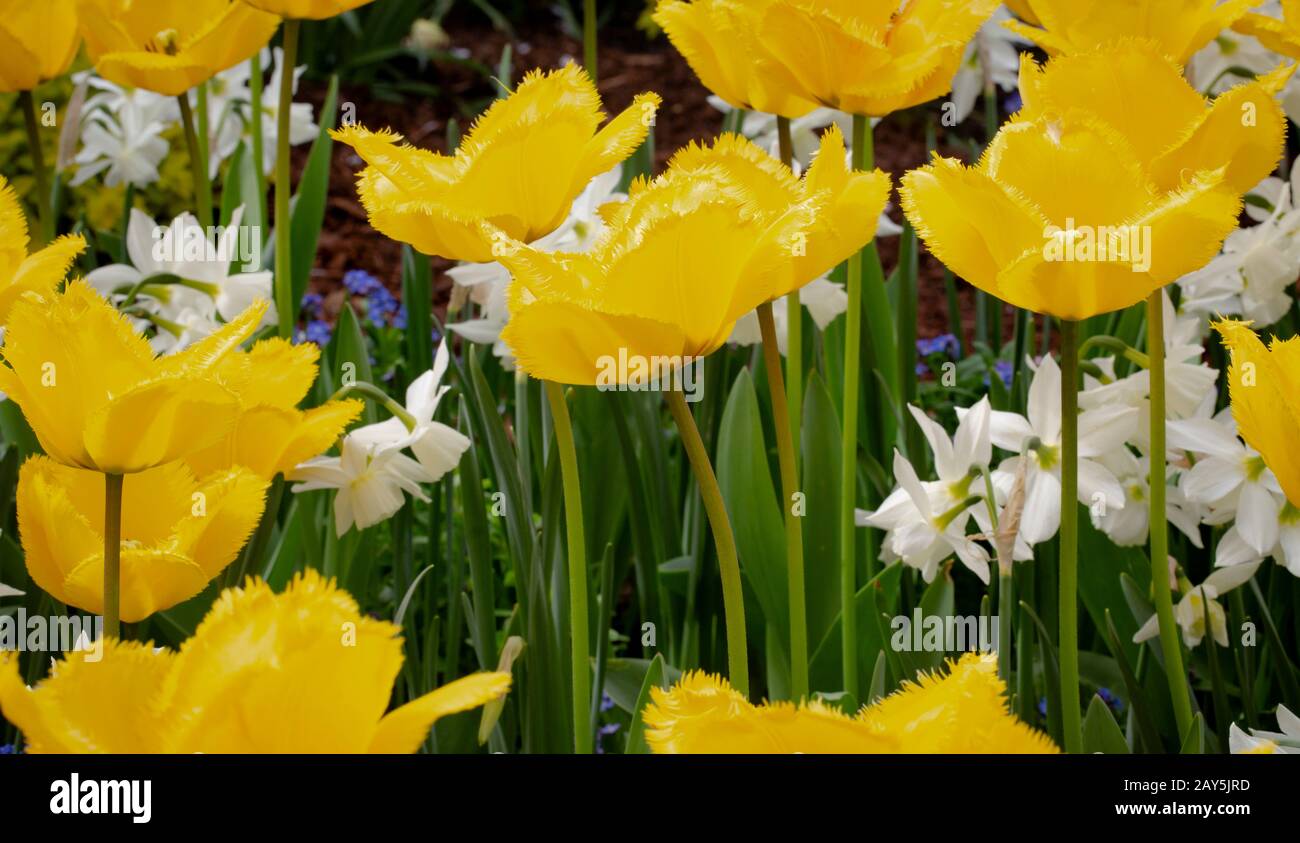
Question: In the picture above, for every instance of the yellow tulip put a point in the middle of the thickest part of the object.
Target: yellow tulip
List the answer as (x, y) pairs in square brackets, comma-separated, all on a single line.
[(97, 397), (962, 712), (867, 57), (38, 41), (299, 672), (1156, 169), (520, 168), (1264, 385), (271, 435), (20, 272), (1280, 36), (169, 46), (177, 532), (1178, 28), (307, 9), (719, 38), (722, 231)]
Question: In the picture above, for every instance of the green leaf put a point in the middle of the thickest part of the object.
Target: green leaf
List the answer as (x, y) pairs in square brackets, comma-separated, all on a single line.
[(624, 679), (1194, 740), (820, 470), (654, 677), (417, 295), (825, 667), (746, 482), (351, 356), (1100, 731), (308, 213)]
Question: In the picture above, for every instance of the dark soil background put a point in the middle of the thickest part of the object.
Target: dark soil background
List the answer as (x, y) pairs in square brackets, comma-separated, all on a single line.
[(630, 62)]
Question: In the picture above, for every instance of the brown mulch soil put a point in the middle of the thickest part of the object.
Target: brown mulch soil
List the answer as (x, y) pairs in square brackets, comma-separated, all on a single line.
[(629, 64)]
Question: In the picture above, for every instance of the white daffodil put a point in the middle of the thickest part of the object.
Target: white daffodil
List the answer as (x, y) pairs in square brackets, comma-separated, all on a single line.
[(823, 299), (1189, 382), (486, 284), (992, 59), (437, 447), (1259, 742), (1235, 549), (1200, 601), (1254, 275), (369, 484), (121, 134), (1038, 438), (1224, 62), (1232, 480), (1128, 526), (919, 532), (9, 591), (194, 281)]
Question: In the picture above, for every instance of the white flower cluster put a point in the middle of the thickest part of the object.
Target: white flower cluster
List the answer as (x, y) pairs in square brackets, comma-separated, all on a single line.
[(122, 131), (1212, 477)]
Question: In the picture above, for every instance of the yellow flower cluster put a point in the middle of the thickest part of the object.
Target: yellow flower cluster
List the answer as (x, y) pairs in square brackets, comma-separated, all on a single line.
[(964, 711)]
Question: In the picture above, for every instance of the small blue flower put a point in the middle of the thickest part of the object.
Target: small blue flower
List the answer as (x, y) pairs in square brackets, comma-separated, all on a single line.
[(399, 318), (606, 702), (1042, 706), (360, 283), (1013, 102), (318, 331), (944, 344), (8, 749), (1006, 372), (922, 370), (313, 305), (1112, 701), (435, 336)]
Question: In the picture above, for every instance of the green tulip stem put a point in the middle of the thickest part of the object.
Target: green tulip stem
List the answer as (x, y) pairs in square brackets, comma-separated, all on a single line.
[(113, 555), (256, 84), (198, 161), (733, 598), (286, 308), (1170, 646), (580, 660), (789, 489), (44, 232), (1072, 717), (794, 316), (589, 54)]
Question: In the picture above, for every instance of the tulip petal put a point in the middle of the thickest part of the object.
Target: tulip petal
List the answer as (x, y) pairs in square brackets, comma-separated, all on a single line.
[(227, 508), (89, 705), (948, 204), (1273, 34), (1263, 413), (151, 579), (158, 421), (402, 730), (56, 536)]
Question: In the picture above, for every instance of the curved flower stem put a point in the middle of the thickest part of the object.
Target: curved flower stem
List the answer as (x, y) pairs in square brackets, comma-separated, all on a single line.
[(1072, 717), (794, 317), (849, 443), (793, 524), (113, 555), (198, 162), (733, 598), (580, 663), (374, 393), (45, 231), (1005, 548), (1158, 516), (589, 54), (287, 313)]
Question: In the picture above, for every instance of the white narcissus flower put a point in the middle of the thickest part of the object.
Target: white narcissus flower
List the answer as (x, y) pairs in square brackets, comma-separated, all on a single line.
[(1259, 742), (121, 134), (9, 591), (230, 100), (369, 484), (1254, 275), (1038, 437), (992, 59), (1129, 526), (1232, 480), (921, 533), (486, 283), (186, 310), (1200, 601), (437, 447)]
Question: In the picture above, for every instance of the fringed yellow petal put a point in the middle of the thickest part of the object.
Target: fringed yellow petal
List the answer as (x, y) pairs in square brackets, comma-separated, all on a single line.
[(402, 730), (1258, 384)]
